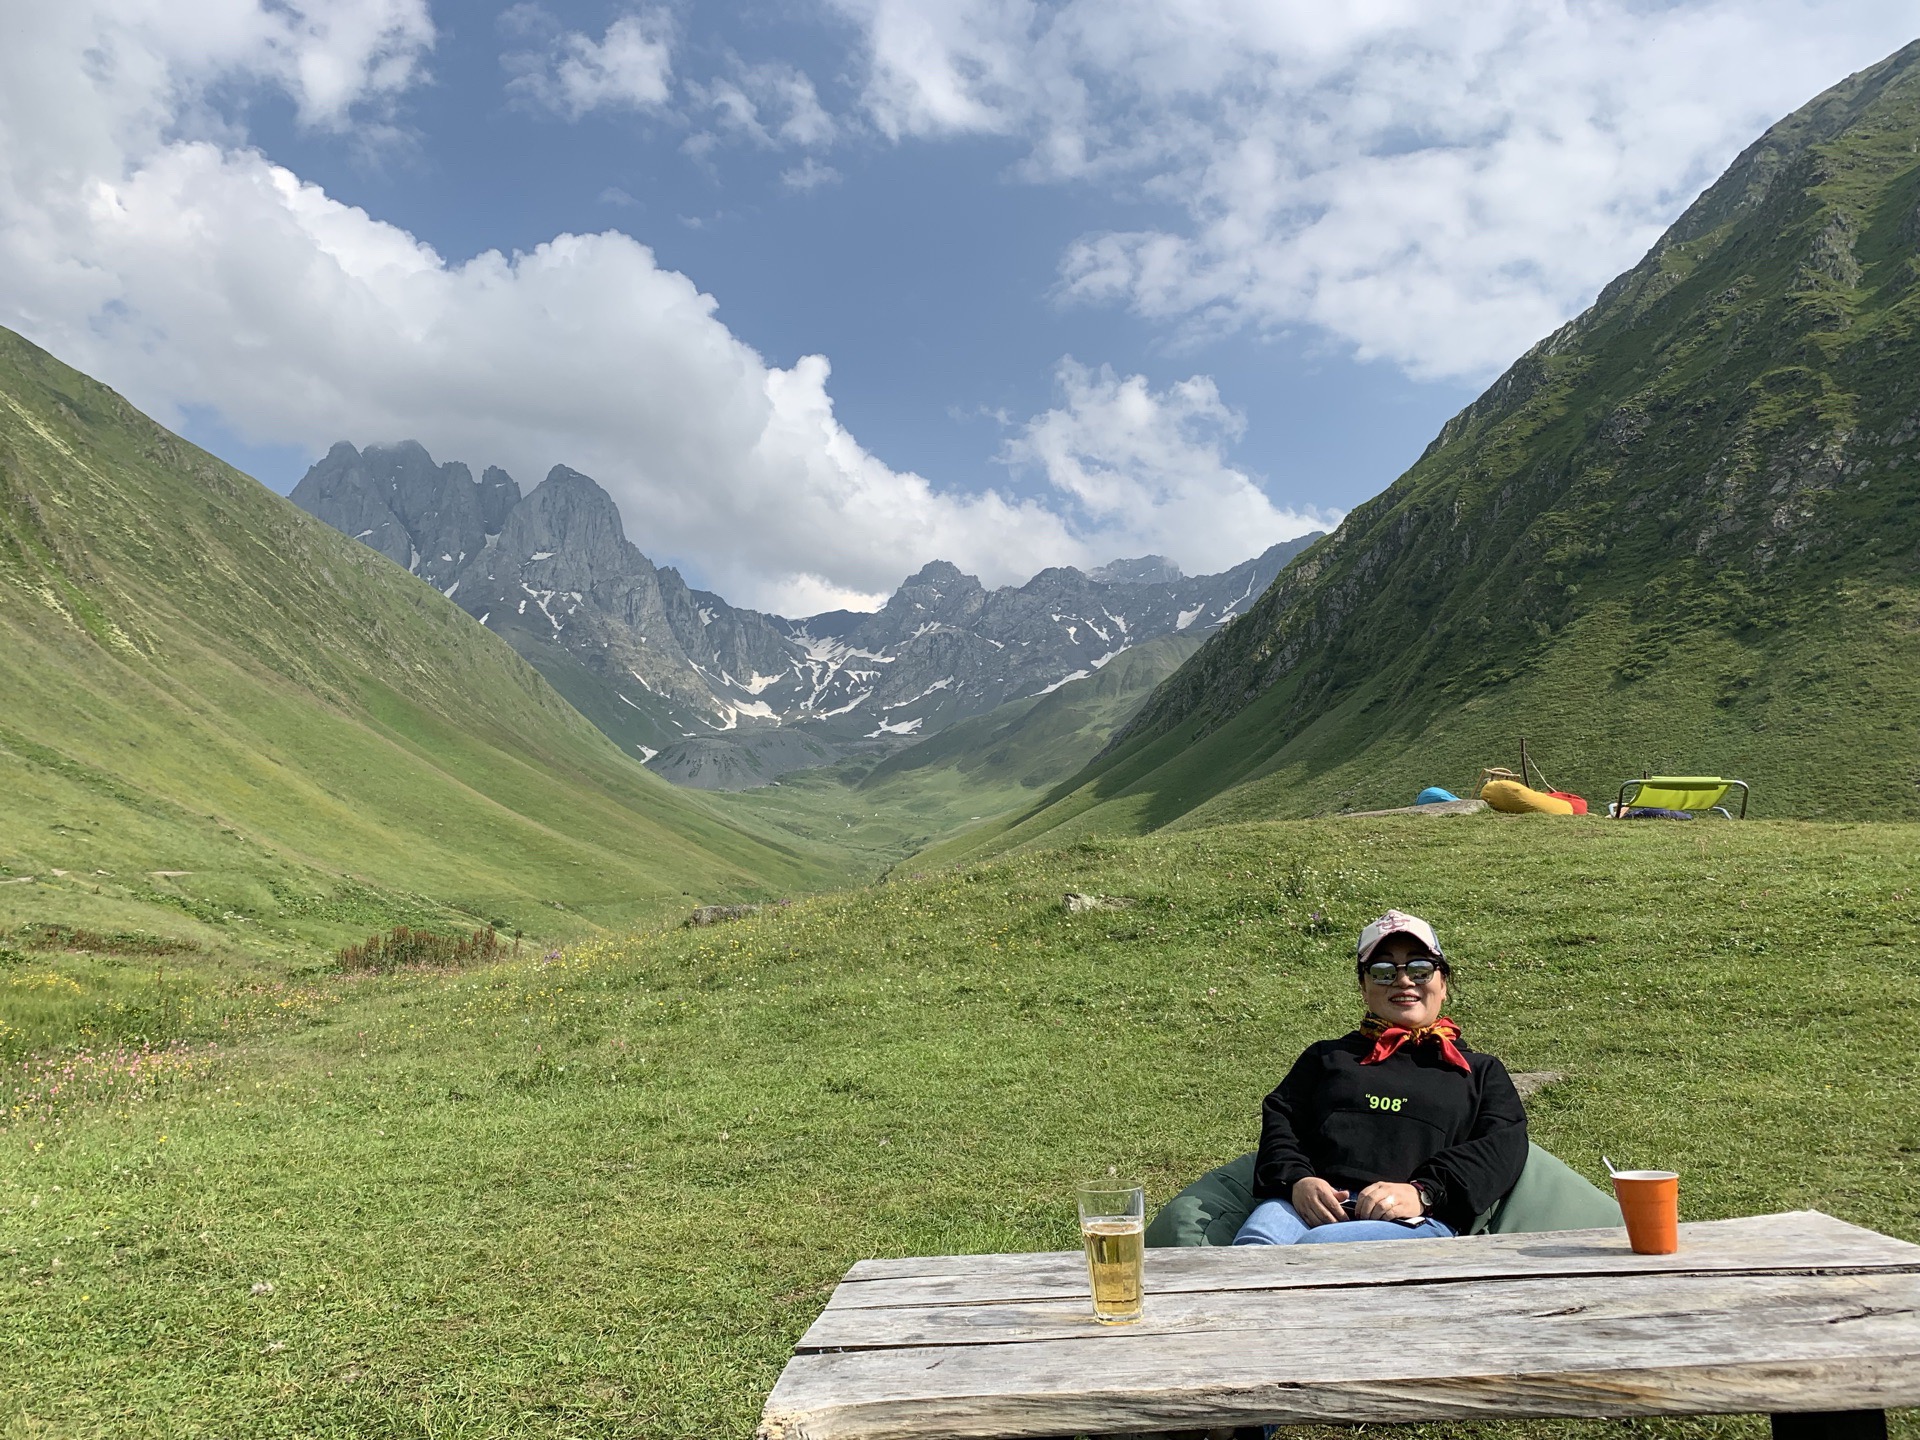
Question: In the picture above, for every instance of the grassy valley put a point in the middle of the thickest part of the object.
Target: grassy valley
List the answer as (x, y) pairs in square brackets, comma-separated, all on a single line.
[(228, 728), (234, 741), (963, 778)]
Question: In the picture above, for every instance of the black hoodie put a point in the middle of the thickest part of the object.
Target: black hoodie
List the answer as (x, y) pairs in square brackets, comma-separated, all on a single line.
[(1410, 1117)]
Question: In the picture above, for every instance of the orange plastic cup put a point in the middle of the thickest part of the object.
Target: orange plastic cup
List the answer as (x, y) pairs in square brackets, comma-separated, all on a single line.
[(1650, 1204)]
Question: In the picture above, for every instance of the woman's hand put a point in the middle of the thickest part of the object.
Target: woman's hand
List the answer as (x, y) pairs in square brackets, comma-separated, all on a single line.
[(1387, 1200), (1317, 1202)]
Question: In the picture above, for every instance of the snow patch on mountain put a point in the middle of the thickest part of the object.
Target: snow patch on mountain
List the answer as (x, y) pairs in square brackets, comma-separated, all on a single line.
[(858, 700), (945, 683)]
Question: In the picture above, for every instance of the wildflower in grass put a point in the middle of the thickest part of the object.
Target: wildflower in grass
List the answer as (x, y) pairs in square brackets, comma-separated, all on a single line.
[(39, 1087), (44, 980)]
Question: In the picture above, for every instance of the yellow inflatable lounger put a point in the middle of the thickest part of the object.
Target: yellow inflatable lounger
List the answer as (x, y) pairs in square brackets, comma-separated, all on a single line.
[(1514, 798)]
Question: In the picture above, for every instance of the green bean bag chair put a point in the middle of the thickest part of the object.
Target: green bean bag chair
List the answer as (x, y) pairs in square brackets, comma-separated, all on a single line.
[(1549, 1196)]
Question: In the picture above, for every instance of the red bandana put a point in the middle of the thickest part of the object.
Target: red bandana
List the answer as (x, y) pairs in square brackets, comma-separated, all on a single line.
[(1387, 1040)]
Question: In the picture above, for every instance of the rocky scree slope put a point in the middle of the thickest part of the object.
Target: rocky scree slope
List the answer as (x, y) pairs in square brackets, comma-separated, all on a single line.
[(714, 695), (1682, 532)]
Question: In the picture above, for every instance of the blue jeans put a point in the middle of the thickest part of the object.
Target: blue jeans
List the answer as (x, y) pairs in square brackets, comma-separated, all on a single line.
[(1275, 1222)]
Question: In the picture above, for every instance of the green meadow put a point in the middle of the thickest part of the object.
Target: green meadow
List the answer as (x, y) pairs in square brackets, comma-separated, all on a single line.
[(599, 1190)]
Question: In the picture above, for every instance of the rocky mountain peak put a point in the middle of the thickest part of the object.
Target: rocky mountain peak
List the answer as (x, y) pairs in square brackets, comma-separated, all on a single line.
[(428, 518), (567, 534), (499, 493), (1057, 577), (1142, 570), (940, 591)]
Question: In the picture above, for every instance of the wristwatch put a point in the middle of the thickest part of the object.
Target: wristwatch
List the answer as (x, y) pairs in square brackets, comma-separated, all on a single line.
[(1429, 1196)]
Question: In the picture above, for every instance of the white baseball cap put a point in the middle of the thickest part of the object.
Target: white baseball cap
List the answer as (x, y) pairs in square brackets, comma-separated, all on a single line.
[(1394, 922)]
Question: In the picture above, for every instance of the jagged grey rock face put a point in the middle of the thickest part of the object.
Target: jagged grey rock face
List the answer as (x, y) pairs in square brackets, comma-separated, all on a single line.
[(562, 570), (555, 569), (498, 495), (431, 519)]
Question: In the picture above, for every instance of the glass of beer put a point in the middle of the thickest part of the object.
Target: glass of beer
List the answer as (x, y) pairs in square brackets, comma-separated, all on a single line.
[(1113, 1227)]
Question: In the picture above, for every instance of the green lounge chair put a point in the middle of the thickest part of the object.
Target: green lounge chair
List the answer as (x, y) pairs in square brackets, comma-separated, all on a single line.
[(1680, 792), (1549, 1196)]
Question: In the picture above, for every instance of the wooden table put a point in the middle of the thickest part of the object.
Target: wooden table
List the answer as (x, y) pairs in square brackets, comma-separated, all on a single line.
[(1802, 1316)]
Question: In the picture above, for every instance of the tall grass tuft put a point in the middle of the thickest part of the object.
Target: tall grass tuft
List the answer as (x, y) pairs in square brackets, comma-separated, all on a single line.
[(402, 946), (118, 942)]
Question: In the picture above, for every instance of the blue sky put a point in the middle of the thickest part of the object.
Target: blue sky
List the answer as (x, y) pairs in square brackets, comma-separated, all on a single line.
[(824, 289)]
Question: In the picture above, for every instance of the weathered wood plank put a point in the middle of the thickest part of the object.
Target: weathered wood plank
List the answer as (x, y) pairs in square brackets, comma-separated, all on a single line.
[(1672, 1390), (1606, 1345), (1799, 1241), (1683, 1299)]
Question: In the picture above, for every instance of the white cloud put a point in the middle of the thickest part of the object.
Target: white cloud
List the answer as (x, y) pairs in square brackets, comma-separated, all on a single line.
[(629, 68), (809, 174), (198, 273), (943, 66), (1436, 184), (141, 65), (1146, 470), (772, 105)]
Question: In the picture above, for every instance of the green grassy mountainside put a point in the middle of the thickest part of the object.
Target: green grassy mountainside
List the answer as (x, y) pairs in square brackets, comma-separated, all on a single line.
[(1681, 534), (222, 720)]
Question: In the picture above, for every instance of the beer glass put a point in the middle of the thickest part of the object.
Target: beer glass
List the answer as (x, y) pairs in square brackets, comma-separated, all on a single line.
[(1113, 1228)]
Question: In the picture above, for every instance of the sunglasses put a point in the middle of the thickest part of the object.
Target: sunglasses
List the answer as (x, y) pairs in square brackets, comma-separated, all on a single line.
[(1381, 972)]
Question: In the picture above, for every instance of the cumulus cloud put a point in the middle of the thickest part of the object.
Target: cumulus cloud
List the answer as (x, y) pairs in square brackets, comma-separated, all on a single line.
[(195, 272), (1436, 184), (630, 67), (1147, 469)]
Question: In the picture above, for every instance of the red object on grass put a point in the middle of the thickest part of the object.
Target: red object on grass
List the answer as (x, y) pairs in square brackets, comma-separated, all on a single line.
[(1579, 805)]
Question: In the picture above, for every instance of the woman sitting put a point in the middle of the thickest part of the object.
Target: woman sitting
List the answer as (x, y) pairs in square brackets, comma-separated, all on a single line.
[(1396, 1131)]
